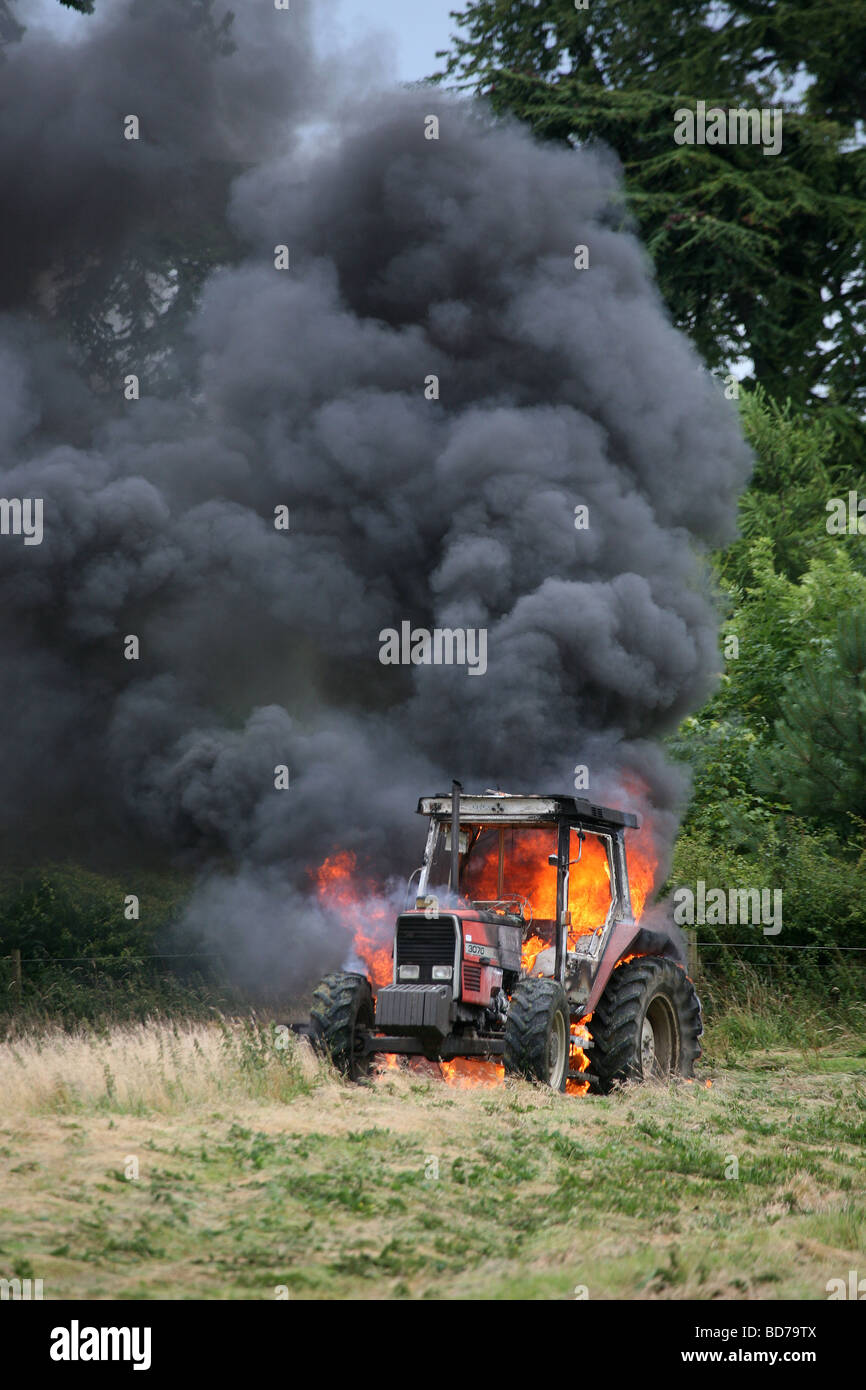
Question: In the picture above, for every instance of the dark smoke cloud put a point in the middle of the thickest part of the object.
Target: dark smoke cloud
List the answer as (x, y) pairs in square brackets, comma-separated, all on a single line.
[(71, 192), (305, 388)]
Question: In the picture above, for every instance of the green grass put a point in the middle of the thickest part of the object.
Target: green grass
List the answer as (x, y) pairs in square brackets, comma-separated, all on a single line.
[(262, 1173)]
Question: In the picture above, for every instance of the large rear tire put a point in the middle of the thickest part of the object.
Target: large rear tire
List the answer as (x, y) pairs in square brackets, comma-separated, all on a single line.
[(342, 1013), (646, 1026), (537, 1032)]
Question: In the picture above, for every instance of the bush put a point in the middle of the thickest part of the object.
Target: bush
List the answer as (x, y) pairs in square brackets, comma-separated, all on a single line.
[(823, 886), (84, 961)]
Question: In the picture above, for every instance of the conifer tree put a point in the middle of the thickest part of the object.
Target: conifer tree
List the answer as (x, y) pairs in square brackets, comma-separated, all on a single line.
[(758, 257)]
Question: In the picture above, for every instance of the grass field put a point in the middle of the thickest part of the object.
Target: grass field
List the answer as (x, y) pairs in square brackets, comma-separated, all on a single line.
[(259, 1171)]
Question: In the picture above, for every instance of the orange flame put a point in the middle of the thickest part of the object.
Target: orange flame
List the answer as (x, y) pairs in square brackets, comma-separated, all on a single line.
[(467, 1072), (577, 1058), (363, 911), (387, 1061), (531, 948)]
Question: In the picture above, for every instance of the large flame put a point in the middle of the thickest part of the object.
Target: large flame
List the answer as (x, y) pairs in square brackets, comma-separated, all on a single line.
[(364, 911), (528, 875)]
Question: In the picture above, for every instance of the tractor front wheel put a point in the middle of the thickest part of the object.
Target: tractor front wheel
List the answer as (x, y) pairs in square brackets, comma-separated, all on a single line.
[(537, 1032), (646, 1026), (342, 1014)]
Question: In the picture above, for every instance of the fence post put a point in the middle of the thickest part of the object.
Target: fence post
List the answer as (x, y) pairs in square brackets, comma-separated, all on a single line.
[(692, 938), (16, 974)]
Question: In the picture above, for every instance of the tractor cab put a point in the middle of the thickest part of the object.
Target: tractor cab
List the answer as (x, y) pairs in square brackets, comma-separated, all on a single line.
[(553, 865)]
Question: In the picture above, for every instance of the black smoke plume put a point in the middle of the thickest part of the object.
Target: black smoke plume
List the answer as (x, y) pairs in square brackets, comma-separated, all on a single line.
[(305, 388)]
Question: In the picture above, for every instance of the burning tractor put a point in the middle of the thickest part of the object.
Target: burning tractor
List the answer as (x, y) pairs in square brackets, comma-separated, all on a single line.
[(522, 947)]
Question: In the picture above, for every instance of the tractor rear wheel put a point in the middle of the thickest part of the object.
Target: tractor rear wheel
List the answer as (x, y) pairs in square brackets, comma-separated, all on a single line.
[(537, 1032), (341, 1014), (647, 1025)]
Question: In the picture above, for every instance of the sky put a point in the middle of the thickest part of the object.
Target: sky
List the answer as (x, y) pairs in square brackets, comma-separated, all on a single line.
[(414, 28)]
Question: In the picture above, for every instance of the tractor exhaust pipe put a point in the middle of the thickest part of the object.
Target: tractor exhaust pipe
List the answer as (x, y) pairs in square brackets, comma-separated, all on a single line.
[(456, 789)]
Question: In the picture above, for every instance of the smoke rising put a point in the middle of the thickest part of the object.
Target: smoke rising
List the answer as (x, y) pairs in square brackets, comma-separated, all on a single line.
[(305, 388)]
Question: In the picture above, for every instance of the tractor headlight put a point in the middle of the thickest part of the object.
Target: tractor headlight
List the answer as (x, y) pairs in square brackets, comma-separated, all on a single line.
[(443, 972), (409, 972)]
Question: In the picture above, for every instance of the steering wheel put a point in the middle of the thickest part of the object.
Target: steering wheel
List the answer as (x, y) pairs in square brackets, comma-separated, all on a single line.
[(504, 903)]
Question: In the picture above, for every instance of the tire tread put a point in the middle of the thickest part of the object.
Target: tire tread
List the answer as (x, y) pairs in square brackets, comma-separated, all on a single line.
[(337, 1001), (613, 1026), (527, 1027)]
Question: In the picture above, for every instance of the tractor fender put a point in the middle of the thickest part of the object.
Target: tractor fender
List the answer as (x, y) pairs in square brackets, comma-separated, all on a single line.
[(631, 939), (622, 938)]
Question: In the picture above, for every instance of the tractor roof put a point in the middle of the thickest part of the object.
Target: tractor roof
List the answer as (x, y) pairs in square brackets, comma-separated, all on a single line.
[(507, 809)]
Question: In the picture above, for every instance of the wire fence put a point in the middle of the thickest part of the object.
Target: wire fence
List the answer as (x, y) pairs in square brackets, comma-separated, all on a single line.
[(774, 946), (778, 963), (116, 960), (712, 957), (215, 955)]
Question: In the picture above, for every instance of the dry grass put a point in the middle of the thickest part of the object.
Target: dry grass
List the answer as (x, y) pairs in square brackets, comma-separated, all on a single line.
[(259, 1170), (150, 1068)]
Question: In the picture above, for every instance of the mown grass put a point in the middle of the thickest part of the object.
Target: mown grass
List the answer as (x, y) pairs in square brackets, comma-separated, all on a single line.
[(261, 1174)]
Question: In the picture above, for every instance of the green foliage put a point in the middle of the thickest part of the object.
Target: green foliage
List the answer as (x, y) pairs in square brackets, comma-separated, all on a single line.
[(779, 624), (129, 313), (822, 890), (83, 961), (725, 806), (776, 755), (818, 759), (785, 581), (800, 463), (754, 254), (66, 910), (752, 1009)]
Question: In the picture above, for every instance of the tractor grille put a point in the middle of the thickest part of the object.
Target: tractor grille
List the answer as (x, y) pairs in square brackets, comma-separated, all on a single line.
[(472, 978), (425, 944)]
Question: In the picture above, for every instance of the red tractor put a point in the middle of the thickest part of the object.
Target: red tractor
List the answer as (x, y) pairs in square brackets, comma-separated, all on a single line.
[(521, 946)]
